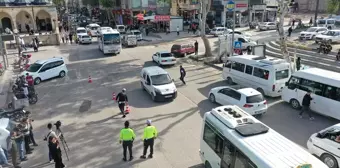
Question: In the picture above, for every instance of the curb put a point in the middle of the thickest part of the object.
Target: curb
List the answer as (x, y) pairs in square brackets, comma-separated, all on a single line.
[(207, 63)]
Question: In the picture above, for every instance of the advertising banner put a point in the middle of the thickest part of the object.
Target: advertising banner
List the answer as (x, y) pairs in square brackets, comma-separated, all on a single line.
[(152, 4), (136, 3), (163, 3)]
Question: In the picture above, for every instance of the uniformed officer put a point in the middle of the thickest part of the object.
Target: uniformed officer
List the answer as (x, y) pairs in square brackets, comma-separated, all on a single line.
[(150, 134), (127, 136)]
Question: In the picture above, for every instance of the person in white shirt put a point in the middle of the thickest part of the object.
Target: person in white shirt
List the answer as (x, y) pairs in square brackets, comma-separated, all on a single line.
[(177, 29), (50, 133), (25, 88), (23, 43)]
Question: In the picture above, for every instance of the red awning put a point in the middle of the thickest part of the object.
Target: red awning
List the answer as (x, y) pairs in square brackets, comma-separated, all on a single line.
[(140, 16), (162, 18)]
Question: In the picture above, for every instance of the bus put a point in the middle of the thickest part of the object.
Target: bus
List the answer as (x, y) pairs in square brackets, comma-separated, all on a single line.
[(324, 86), (109, 41), (265, 74), (232, 138)]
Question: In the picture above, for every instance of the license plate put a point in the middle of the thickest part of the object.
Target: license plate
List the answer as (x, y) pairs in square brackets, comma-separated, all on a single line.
[(259, 112), (168, 96)]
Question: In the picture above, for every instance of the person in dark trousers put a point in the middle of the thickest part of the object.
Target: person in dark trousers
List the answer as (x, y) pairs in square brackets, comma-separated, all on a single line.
[(196, 47), (177, 29), (126, 138), (338, 55), (305, 105), (290, 29), (31, 133), (183, 73), (53, 145), (149, 136), (27, 138), (122, 99), (298, 63), (70, 36), (293, 23), (311, 22)]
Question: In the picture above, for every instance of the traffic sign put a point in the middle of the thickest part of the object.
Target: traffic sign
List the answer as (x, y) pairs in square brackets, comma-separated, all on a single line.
[(230, 6), (237, 44)]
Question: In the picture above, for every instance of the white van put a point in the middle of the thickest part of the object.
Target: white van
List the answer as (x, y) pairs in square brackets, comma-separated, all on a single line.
[(232, 138), (325, 88), (328, 23), (92, 29), (137, 33), (220, 31), (158, 83), (265, 74), (121, 29)]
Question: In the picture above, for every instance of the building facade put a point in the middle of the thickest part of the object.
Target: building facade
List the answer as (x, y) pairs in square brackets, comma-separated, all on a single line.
[(21, 16)]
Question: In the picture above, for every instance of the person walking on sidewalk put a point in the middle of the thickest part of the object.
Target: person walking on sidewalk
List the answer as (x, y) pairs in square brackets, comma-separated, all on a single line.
[(196, 47), (22, 42), (149, 136), (305, 105), (70, 36), (54, 147), (122, 100), (47, 137), (126, 138), (298, 63), (177, 29), (12, 146), (290, 29), (183, 73)]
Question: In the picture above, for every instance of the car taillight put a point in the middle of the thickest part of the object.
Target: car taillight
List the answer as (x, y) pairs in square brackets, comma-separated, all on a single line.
[(273, 88), (248, 105), (265, 102), (163, 60)]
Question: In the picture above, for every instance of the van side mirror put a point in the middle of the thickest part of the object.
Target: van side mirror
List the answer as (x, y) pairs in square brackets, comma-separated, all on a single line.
[(286, 84)]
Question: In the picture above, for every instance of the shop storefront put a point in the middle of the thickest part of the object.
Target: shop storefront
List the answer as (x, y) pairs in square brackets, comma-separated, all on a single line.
[(188, 12), (271, 13), (161, 22), (258, 13)]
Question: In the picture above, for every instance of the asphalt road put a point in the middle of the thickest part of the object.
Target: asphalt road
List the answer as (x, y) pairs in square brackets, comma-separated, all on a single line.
[(91, 120)]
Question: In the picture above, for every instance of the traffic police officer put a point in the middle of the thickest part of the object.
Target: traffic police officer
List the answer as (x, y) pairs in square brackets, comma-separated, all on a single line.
[(126, 137), (150, 134)]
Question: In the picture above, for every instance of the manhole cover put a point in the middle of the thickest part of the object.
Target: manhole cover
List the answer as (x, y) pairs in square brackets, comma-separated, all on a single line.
[(85, 106)]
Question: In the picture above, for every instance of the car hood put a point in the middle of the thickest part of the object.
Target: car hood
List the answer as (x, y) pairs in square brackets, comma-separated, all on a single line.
[(323, 36), (171, 87), (304, 32)]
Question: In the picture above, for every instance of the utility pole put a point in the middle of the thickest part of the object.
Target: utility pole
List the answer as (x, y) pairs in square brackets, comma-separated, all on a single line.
[(316, 11), (233, 35)]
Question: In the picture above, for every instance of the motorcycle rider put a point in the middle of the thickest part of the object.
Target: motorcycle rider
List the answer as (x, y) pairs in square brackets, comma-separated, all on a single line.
[(328, 47), (122, 99), (30, 82)]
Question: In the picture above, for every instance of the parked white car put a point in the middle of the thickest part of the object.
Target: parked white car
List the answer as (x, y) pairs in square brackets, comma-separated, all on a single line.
[(249, 99), (219, 31), (331, 36), (267, 26), (158, 83), (326, 145), (245, 34), (311, 32), (137, 33), (84, 39), (46, 69), (164, 58)]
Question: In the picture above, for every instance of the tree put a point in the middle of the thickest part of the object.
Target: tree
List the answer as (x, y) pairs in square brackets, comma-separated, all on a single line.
[(92, 3), (333, 6), (108, 6), (282, 12), (205, 8)]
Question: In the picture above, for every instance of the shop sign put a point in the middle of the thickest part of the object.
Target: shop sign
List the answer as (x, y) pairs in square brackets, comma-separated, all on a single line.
[(240, 5), (162, 18), (259, 7), (188, 6)]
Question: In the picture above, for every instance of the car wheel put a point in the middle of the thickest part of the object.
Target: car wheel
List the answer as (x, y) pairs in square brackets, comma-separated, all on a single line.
[(141, 84), (212, 98), (62, 74), (229, 81), (207, 165), (37, 81), (295, 104), (329, 160), (261, 91)]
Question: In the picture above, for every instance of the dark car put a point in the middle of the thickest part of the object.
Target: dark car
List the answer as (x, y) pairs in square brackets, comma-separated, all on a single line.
[(182, 49)]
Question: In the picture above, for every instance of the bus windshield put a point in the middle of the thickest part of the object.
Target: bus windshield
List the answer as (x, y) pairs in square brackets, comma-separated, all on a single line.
[(111, 38)]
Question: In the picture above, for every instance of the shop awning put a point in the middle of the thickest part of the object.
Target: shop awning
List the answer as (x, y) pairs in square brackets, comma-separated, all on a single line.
[(162, 18), (140, 16)]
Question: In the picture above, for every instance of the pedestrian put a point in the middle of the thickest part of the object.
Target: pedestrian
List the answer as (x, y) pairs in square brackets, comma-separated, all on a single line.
[(31, 132), (177, 29), (19, 140), (54, 146), (149, 136), (293, 23), (305, 105), (51, 133), (35, 45), (183, 73), (167, 30), (37, 41), (25, 89), (70, 36), (298, 63), (27, 28), (22, 41), (122, 100), (26, 132), (196, 47), (126, 138), (338, 55), (311, 21), (189, 28), (3, 158), (30, 82), (14, 150), (290, 29)]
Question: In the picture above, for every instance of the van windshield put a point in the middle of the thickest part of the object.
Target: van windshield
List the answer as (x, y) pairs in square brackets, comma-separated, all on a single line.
[(283, 74), (330, 21), (161, 79), (321, 21), (81, 31), (34, 67)]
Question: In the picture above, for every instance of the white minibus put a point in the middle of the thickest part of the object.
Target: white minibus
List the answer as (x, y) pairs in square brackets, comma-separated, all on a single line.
[(109, 41), (232, 138), (92, 29), (266, 74), (325, 88)]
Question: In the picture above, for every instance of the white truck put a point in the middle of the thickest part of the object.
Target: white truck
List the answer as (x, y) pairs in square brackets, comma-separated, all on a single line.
[(130, 40)]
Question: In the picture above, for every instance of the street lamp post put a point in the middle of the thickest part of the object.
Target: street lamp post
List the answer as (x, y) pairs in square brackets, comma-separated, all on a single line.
[(233, 35)]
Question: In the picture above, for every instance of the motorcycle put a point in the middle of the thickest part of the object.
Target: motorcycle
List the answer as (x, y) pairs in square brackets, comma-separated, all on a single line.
[(32, 98), (19, 83), (325, 48)]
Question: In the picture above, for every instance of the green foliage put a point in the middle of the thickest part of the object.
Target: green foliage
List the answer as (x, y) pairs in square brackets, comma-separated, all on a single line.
[(92, 3), (333, 6), (107, 3), (58, 2)]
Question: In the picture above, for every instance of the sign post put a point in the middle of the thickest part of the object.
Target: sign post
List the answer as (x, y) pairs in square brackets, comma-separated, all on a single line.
[(231, 7), (237, 47)]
